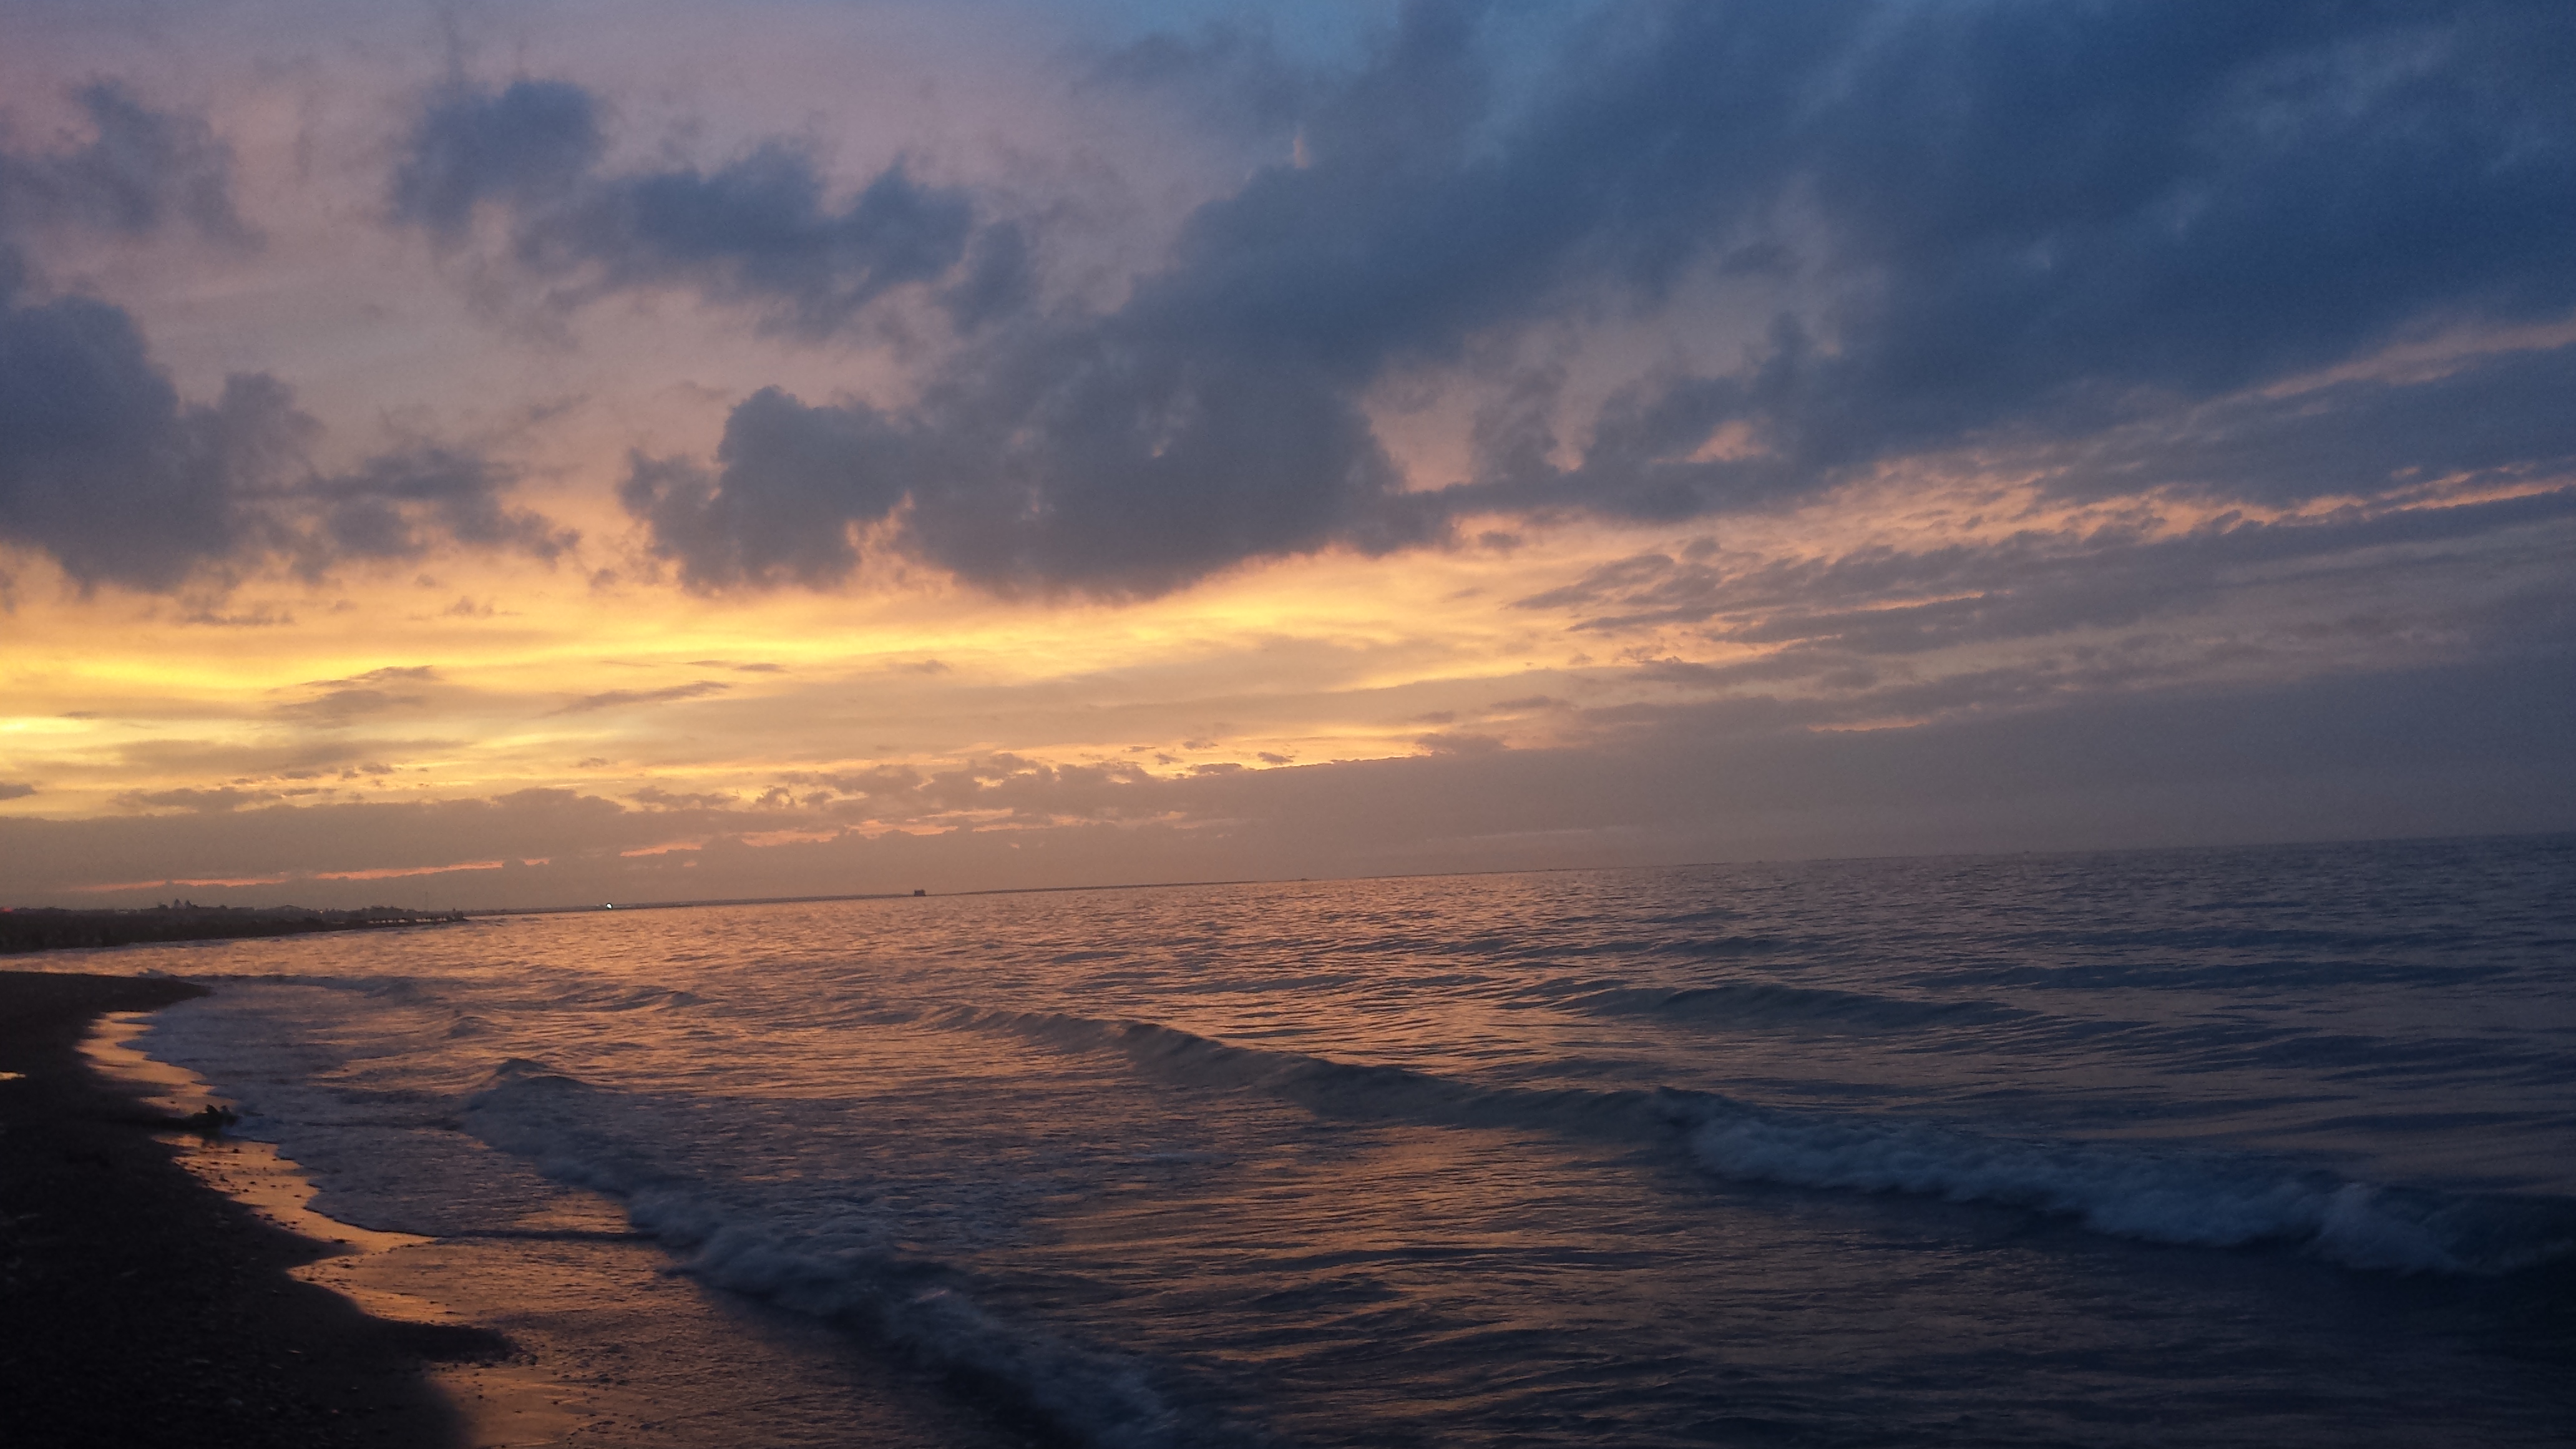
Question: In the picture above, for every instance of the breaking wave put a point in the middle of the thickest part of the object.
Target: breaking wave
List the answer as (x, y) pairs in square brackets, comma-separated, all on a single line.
[(2194, 1199), (2197, 1200), (839, 1266)]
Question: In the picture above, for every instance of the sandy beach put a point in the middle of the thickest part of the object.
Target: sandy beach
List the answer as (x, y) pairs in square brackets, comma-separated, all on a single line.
[(145, 1307)]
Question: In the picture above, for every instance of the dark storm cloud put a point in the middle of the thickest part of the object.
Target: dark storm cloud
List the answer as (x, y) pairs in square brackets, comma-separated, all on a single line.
[(2030, 224), (757, 230), (107, 469)]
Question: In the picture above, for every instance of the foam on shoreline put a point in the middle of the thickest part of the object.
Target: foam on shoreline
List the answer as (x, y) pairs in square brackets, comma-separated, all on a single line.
[(607, 1343)]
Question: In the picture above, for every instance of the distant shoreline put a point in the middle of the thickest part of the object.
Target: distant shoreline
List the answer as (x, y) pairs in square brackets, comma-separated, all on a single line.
[(25, 930)]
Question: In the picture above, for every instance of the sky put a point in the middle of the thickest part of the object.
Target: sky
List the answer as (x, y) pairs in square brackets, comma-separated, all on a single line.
[(505, 455)]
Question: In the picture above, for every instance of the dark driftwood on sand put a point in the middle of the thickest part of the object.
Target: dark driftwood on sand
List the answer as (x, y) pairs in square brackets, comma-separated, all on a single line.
[(144, 1308), (48, 928)]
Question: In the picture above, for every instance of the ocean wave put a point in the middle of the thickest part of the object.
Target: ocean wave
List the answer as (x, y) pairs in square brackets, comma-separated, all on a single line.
[(2136, 1192), (839, 1266), (2198, 1200), (1322, 1085), (1704, 948), (925, 1309), (620, 996), (1694, 918), (1764, 1003)]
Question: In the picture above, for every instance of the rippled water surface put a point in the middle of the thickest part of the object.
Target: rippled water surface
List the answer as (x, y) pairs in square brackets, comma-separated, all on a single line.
[(2261, 1146)]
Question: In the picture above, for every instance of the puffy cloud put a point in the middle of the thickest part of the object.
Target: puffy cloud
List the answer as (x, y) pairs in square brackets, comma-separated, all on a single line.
[(794, 479), (2101, 235), (101, 464), (1120, 455), (756, 230), (104, 467), (1112, 461)]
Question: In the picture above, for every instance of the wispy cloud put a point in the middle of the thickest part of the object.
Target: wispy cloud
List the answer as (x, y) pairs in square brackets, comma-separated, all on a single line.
[(620, 698)]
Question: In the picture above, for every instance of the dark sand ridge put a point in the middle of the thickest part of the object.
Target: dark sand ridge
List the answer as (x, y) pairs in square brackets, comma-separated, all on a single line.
[(145, 1308)]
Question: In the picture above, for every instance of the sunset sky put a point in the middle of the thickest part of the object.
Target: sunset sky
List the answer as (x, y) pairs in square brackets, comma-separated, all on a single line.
[(481, 454)]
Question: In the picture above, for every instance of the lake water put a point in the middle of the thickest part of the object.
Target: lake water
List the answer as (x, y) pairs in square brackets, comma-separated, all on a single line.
[(2264, 1147)]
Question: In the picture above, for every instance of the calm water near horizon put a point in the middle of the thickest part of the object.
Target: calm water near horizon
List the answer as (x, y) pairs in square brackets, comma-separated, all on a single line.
[(2249, 1146)]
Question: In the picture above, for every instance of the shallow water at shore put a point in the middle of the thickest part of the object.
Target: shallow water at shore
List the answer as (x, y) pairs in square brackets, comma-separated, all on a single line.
[(2256, 1146)]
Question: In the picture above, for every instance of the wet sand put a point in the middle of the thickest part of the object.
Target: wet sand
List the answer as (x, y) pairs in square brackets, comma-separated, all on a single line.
[(143, 1306)]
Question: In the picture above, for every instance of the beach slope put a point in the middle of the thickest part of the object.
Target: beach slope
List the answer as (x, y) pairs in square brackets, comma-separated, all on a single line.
[(146, 1308)]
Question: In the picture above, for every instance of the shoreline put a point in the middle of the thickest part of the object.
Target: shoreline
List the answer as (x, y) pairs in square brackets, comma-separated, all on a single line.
[(195, 1296), (149, 1307)]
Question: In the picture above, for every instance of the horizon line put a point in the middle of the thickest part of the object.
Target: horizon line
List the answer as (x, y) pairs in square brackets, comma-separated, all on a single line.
[(896, 895)]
